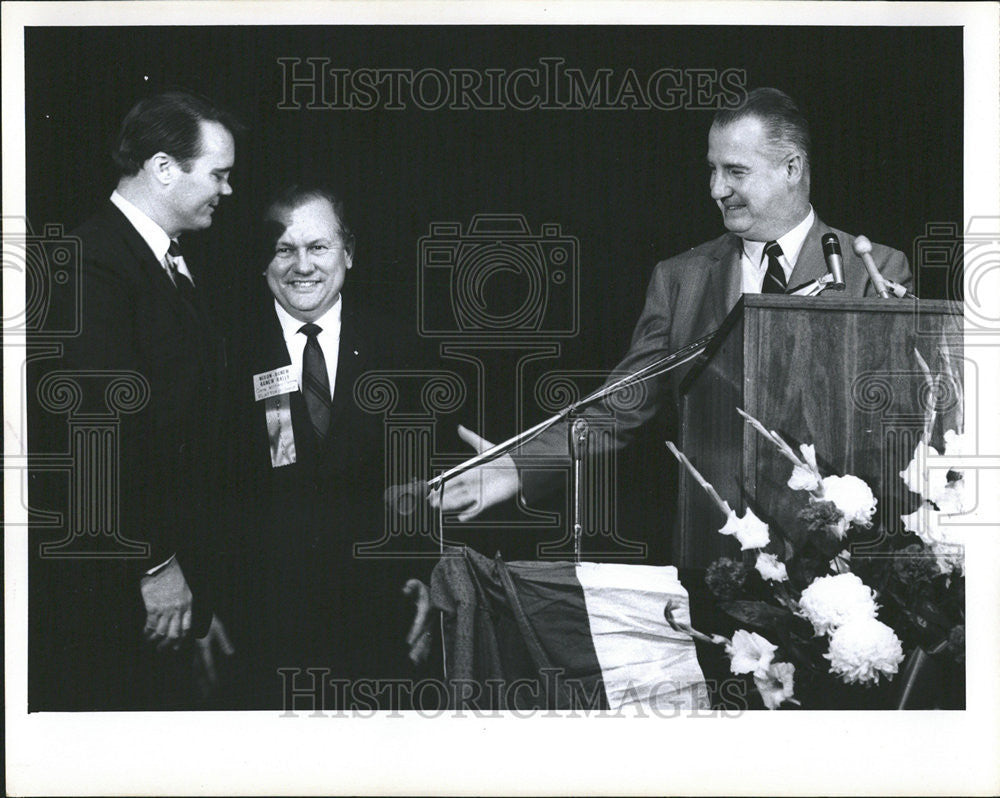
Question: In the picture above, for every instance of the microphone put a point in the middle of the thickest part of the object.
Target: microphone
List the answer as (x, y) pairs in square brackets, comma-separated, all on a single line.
[(578, 435), (834, 261), (812, 288), (863, 249), (899, 291)]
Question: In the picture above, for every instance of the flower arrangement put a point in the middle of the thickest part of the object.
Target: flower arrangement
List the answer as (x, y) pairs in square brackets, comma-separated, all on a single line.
[(811, 613)]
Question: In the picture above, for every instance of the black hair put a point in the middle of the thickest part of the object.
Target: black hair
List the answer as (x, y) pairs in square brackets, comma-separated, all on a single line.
[(170, 123), (784, 123)]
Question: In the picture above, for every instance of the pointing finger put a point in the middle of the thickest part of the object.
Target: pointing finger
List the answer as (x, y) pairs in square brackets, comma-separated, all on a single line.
[(477, 442)]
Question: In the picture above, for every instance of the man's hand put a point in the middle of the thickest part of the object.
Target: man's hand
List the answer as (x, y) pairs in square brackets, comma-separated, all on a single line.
[(205, 649), (168, 606), (419, 636), (480, 487)]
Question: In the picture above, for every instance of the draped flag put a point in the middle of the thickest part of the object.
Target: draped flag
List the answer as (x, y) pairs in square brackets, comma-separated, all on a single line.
[(554, 635)]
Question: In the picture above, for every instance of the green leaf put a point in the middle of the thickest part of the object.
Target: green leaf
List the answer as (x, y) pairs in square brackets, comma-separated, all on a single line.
[(756, 613), (789, 551), (829, 544)]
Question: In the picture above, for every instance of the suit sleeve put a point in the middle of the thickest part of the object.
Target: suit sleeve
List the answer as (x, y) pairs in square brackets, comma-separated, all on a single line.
[(619, 416), (107, 343)]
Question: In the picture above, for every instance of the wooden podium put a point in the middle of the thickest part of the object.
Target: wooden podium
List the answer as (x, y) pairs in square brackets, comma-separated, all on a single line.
[(836, 372)]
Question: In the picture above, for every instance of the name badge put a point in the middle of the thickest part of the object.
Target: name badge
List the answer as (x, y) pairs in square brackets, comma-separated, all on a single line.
[(273, 388), (274, 382)]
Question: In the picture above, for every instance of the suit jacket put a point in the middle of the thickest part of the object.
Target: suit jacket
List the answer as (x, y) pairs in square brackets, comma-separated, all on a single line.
[(133, 318), (310, 600), (688, 297)]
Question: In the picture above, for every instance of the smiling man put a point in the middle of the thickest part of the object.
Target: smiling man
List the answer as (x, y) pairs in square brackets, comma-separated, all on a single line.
[(143, 318), (310, 471), (758, 158)]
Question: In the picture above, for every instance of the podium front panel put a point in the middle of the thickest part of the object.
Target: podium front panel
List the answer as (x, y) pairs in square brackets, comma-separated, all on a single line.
[(840, 374)]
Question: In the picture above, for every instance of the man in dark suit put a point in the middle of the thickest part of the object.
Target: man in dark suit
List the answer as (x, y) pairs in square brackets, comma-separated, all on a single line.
[(758, 155), (143, 314), (309, 474)]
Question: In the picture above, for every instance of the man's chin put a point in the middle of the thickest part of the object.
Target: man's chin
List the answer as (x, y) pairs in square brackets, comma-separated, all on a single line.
[(201, 223)]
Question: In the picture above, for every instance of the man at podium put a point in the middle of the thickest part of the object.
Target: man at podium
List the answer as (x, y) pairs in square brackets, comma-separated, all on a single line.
[(758, 158)]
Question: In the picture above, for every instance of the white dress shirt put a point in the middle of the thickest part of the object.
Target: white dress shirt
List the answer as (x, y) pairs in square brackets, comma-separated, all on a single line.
[(154, 235), (755, 264), (328, 338)]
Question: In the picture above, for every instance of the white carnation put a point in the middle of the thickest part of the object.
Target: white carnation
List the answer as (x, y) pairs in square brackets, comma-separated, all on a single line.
[(958, 444), (750, 531), (750, 653), (831, 601), (777, 684), (771, 568), (945, 540), (928, 471), (805, 477), (863, 649), (853, 498), (915, 474), (951, 498)]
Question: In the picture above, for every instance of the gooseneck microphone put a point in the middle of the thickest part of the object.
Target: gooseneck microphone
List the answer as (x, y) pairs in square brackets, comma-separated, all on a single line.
[(863, 249), (834, 261)]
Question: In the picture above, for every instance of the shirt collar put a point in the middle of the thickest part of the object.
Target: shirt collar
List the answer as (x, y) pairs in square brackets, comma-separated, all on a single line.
[(790, 243), (329, 322), (155, 236)]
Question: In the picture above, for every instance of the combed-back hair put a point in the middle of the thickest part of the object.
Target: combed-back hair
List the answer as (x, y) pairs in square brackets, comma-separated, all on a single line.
[(784, 123), (170, 123)]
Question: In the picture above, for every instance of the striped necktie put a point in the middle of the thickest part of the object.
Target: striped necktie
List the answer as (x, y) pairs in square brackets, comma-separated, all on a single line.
[(173, 261), (774, 279), (315, 381)]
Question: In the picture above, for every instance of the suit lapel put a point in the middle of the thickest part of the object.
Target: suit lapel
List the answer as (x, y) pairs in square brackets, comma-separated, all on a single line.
[(349, 364), (724, 282), (810, 264), (273, 351), (152, 269)]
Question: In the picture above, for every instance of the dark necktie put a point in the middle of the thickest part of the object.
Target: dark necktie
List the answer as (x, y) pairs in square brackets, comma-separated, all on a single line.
[(315, 381), (774, 279), (173, 260)]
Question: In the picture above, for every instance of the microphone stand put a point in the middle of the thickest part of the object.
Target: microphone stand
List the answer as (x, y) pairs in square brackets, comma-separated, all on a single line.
[(579, 434), (821, 284), (654, 369)]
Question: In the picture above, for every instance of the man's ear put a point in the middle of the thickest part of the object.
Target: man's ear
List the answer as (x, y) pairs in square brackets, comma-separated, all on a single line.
[(162, 167), (349, 251), (794, 168)]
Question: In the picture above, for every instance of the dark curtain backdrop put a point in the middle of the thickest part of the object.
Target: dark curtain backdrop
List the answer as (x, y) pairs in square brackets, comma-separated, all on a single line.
[(886, 106)]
